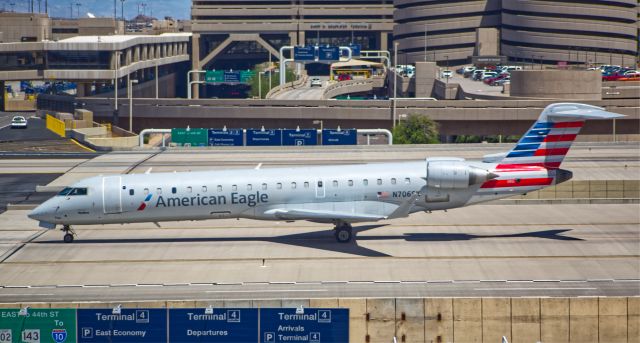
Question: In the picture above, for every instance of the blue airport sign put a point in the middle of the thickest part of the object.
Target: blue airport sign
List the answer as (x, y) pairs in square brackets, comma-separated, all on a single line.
[(304, 53), (300, 137), (313, 326), (223, 325), (131, 325), (355, 50), (229, 137), (232, 76), (264, 137), (340, 137), (328, 53)]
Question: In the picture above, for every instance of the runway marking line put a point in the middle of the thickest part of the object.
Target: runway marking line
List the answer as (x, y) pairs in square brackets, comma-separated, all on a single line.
[(270, 291), (538, 289)]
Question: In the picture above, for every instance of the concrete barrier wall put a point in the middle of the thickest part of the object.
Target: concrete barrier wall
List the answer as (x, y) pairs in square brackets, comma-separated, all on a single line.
[(459, 320), (589, 189)]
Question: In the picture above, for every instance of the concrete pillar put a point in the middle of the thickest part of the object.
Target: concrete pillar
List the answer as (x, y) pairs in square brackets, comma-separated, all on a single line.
[(410, 320), (525, 319), (145, 52), (164, 50), (425, 78), (496, 319), (381, 325), (384, 41), (112, 61), (301, 38), (438, 318), (129, 56), (195, 63), (583, 320), (612, 320), (84, 89), (293, 38), (633, 319), (467, 316), (136, 54)]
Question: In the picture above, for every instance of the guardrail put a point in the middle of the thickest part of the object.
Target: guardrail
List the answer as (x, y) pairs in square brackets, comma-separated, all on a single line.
[(287, 87), (347, 87)]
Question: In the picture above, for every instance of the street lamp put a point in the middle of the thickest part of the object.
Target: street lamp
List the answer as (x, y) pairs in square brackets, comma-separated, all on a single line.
[(395, 82), (447, 58), (260, 84), (130, 89), (122, 13), (115, 86)]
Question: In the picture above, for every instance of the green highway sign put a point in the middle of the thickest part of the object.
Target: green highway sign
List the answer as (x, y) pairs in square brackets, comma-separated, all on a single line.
[(38, 326), (214, 76), (190, 137), (246, 76)]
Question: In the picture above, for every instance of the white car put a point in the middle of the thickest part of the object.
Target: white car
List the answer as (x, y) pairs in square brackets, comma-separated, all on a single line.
[(316, 82), (447, 74), (18, 122)]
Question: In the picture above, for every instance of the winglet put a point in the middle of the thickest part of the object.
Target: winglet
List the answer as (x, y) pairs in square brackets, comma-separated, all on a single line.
[(258, 166), (405, 207)]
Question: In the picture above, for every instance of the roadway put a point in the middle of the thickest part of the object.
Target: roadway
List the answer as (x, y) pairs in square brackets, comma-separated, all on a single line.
[(306, 92)]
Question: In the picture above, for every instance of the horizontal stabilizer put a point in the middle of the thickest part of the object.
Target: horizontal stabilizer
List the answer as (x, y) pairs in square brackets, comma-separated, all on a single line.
[(494, 158), (580, 111)]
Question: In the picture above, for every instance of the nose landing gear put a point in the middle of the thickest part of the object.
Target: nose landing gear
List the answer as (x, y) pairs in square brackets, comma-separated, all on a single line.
[(69, 234)]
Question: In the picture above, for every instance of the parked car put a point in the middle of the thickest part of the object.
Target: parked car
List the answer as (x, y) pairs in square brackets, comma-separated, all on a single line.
[(18, 122), (502, 81), (316, 82), (488, 75), (630, 77), (496, 78), (447, 74), (344, 77), (477, 74), (612, 77)]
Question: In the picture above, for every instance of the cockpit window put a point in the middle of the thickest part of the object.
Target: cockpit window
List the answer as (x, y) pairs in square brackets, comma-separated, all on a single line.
[(73, 191), (65, 191)]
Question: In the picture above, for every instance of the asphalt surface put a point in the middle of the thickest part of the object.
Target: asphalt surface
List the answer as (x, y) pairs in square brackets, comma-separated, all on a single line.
[(21, 189), (36, 140), (306, 92), (485, 250)]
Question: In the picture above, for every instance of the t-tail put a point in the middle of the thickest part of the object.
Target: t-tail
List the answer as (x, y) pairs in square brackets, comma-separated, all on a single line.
[(535, 161)]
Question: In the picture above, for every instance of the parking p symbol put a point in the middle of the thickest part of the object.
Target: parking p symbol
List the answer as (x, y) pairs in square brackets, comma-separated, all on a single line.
[(269, 337)]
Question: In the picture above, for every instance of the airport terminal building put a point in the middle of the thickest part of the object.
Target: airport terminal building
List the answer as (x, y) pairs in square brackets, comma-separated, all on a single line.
[(579, 32)]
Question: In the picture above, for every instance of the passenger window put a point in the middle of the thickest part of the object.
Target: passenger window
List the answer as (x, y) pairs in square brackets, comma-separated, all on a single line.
[(204, 189), (174, 190), (393, 181), (189, 189), (159, 191), (278, 185), (306, 185), (335, 183), (379, 182), (407, 180), (131, 191), (264, 186), (249, 187), (319, 184), (234, 188), (350, 183), (365, 182), (294, 185), (219, 188)]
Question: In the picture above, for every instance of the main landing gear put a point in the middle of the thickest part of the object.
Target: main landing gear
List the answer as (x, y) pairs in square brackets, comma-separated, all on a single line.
[(343, 232), (69, 235)]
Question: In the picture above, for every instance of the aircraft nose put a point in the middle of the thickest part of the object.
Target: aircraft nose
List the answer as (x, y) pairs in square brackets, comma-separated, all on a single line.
[(40, 213)]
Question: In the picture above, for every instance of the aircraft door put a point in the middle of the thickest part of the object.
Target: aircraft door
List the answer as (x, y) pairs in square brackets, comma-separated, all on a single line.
[(320, 188), (112, 194)]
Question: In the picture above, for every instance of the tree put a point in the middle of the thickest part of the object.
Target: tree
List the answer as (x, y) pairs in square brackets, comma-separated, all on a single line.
[(264, 82), (416, 129)]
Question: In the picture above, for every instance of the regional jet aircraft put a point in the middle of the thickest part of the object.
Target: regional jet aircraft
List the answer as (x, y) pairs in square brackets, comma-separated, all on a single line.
[(341, 195)]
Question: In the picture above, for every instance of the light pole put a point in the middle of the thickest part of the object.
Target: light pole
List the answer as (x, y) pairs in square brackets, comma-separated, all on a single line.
[(122, 13), (425, 41), (130, 89), (115, 86), (260, 84), (395, 82)]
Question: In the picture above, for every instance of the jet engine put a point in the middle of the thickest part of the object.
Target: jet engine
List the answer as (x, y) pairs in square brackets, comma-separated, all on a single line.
[(455, 174)]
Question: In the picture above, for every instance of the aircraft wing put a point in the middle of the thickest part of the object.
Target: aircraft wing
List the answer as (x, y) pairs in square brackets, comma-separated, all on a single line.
[(321, 215)]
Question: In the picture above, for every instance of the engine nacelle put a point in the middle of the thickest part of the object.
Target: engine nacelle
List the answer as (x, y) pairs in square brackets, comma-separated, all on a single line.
[(455, 174)]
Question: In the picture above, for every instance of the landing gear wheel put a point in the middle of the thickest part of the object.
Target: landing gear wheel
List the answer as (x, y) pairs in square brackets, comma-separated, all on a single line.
[(68, 238), (343, 233), (69, 235)]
